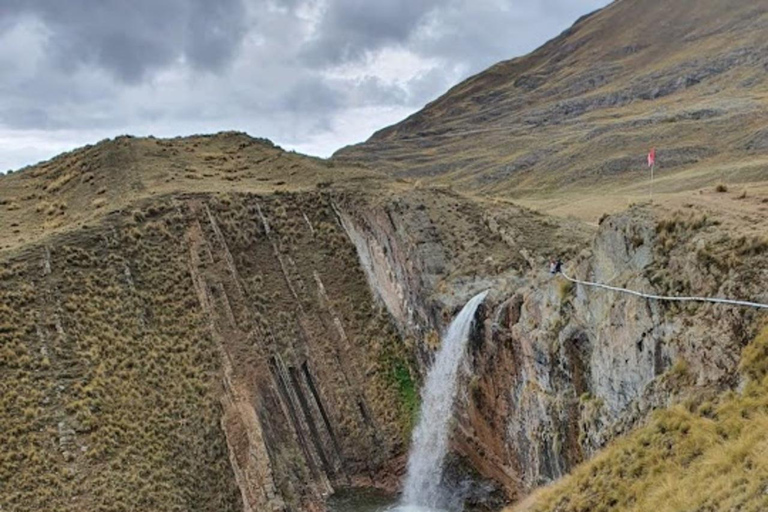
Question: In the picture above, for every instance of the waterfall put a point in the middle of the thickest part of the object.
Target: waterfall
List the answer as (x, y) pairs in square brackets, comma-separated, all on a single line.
[(430, 439)]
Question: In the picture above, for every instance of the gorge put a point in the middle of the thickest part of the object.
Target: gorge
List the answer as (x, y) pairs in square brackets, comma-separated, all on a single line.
[(288, 332), (213, 324)]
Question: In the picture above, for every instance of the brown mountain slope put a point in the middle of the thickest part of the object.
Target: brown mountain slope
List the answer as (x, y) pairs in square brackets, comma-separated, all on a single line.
[(190, 324), (211, 324), (84, 185), (579, 114)]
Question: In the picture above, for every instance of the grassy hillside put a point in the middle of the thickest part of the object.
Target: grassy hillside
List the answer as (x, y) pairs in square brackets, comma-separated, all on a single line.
[(80, 187), (110, 368), (109, 376), (570, 124), (704, 455), (116, 340), (185, 324)]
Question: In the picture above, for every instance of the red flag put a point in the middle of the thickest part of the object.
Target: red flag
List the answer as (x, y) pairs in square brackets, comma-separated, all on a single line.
[(652, 157)]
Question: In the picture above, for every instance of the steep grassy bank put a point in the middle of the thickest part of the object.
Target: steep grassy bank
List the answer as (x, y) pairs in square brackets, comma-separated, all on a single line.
[(109, 376), (115, 339), (707, 454)]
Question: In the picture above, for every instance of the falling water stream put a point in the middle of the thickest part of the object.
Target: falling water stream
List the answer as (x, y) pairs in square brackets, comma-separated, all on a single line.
[(430, 439), (423, 491)]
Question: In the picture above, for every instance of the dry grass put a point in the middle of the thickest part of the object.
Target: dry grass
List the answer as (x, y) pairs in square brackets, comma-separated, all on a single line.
[(78, 188), (566, 129), (701, 254), (696, 456), (108, 398)]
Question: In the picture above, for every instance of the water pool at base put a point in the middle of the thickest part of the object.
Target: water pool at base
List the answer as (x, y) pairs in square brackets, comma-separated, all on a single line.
[(361, 500), (368, 500)]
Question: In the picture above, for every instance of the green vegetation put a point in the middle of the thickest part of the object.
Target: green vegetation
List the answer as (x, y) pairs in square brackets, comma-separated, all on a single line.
[(700, 455), (406, 387)]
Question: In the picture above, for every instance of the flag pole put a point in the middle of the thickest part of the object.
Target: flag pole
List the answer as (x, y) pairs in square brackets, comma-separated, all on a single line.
[(652, 165)]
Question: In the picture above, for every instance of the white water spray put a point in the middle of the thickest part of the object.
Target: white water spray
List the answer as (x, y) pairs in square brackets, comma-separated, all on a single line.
[(430, 439)]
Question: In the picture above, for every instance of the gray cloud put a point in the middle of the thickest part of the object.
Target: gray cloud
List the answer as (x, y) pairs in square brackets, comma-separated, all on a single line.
[(311, 96), (481, 33), (350, 28), (137, 37), (25, 118), (313, 74)]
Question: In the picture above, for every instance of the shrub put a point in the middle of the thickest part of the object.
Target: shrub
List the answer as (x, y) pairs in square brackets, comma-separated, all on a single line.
[(564, 288), (754, 359)]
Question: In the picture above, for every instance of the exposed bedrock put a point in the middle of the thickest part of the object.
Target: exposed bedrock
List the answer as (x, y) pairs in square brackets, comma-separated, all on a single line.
[(315, 373), (555, 371)]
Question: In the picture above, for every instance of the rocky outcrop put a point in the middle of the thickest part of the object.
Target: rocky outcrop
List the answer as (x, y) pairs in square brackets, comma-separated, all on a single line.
[(555, 370), (310, 405), (567, 368)]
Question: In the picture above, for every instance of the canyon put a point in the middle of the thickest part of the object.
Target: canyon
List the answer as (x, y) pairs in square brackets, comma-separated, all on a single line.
[(211, 323), (271, 345)]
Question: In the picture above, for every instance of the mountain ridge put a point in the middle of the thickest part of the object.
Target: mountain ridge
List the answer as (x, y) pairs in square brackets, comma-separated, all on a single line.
[(580, 113)]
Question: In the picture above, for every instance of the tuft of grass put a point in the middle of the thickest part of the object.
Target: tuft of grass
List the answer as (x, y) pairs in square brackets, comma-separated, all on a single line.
[(754, 359), (564, 289), (721, 188)]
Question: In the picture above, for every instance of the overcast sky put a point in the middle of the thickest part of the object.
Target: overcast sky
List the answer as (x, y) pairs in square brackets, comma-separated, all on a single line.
[(311, 75)]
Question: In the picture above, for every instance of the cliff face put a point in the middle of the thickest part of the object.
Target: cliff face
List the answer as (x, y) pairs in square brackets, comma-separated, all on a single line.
[(557, 371), (191, 328), (318, 386)]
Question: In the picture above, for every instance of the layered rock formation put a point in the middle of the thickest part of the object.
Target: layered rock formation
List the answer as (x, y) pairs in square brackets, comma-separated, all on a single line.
[(557, 371), (212, 349)]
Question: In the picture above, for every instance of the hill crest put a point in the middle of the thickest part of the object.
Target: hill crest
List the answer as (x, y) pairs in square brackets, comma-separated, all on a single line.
[(581, 112)]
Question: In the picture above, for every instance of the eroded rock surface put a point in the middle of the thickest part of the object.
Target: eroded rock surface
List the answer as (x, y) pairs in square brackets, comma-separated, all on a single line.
[(556, 370)]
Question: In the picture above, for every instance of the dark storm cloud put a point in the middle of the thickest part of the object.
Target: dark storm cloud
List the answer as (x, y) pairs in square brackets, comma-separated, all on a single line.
[(350, 28), (133, 38)]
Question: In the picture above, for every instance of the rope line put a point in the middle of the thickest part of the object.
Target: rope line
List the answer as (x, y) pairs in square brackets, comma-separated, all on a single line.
[(660, 297)]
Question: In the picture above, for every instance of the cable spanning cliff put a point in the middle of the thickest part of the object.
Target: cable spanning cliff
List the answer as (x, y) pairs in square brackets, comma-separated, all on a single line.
[(712, 300)]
